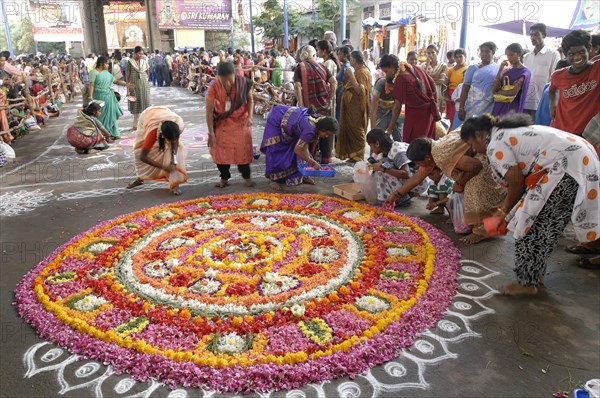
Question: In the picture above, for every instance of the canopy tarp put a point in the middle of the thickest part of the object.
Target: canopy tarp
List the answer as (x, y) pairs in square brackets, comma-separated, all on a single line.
[(522, 27)]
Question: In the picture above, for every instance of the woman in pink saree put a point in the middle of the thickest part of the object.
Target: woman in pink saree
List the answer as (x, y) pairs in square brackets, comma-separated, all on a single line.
[(159, 155)]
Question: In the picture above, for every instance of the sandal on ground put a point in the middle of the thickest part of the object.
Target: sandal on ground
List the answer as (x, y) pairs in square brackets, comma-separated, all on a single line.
[(582, 248), (589, 263)]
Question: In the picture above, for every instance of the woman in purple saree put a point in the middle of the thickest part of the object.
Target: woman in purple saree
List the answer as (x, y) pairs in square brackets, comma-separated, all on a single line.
[(518, 77), (288, 133)]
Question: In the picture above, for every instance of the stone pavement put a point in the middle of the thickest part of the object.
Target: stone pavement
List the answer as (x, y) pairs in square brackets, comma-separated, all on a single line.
[(487, 345)]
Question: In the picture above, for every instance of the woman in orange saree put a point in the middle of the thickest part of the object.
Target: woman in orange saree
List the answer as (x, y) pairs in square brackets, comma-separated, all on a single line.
[(229, 106)]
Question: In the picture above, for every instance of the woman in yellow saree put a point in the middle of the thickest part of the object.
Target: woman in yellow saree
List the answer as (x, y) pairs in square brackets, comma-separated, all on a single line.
[(355, 110)]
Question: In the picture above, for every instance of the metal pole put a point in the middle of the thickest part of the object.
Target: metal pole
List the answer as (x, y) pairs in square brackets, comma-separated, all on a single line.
[(343, 20), (286, 42), (251, 28), (232, 43), (464, 24), (7, 30)]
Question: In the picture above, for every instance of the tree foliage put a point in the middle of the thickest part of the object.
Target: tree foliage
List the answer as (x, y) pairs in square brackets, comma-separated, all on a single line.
[(241, 39), (270, 20), (327, 15), (21, 34), (22, 37)]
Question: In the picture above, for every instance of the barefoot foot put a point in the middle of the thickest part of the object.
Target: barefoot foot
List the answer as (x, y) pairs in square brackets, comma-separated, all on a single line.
[(134, 184), (221, 184), (176, 191), (308, 181), (473, 239), (438, 210), (514, 289), (275, 186), (249, 183)]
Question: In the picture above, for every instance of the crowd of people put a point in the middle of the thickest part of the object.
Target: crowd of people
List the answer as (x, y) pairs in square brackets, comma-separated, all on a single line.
[(531, 179), (520, 144), (33, 89)]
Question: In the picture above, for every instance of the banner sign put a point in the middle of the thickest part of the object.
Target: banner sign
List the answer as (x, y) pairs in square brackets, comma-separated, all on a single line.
[(125, 25), (194, 14), (56, 21)]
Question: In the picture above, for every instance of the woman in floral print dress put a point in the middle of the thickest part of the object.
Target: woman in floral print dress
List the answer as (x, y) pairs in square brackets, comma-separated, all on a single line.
[(551, 177)]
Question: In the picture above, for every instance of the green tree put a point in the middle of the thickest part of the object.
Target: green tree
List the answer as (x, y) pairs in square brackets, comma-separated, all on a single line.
[(48, 47), (241, 39), (328, 14), (3, 43), (22, 37), (270, 20)]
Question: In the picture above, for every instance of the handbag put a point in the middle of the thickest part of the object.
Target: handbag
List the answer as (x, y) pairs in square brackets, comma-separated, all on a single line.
[(117, 95), (505, 99)]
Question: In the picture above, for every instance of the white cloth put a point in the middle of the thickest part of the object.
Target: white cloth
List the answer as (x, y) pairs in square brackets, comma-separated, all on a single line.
[(541, 66), (387, 184), (90, 63), (373, 70), (116, 71), (456, 96), (535, 148), (289, 64)]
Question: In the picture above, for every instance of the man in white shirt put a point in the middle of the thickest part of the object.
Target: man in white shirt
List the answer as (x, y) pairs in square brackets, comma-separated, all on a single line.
[(541, 61), (371, 65), (290, 62), (90, 62), (216, 58)]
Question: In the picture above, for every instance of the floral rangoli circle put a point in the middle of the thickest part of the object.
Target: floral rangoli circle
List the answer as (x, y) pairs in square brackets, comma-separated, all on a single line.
[(244, 292)]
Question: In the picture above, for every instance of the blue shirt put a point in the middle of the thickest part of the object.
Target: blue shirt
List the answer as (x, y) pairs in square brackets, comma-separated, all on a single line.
[(542, 115)]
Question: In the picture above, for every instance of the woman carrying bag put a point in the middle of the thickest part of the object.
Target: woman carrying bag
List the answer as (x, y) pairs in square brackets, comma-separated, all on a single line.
[(511, 85)]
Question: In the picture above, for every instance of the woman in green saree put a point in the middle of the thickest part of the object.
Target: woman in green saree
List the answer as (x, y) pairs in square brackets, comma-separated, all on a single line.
[(276, 74), (101, 81)]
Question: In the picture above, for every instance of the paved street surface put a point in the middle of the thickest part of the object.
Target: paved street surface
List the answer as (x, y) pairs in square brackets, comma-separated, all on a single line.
[(487, 345)]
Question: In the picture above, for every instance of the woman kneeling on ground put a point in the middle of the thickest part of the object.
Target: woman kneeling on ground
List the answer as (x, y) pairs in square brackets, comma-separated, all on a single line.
[(158, 153), (288, 133), (551, 177), (87, 132), (471, 174)]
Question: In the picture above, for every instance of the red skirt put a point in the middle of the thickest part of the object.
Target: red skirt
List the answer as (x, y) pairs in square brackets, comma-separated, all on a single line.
[(81, 141)]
